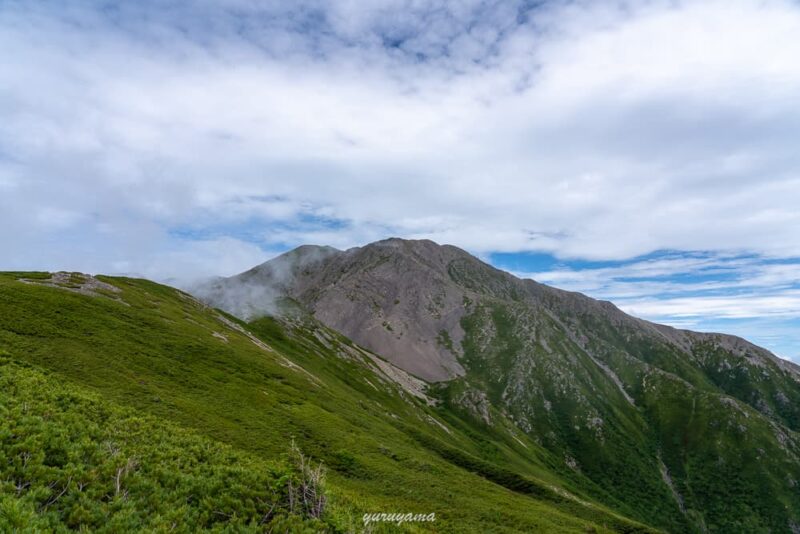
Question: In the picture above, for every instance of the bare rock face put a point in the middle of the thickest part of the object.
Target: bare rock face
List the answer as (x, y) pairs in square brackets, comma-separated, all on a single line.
[(393, 297), (405, 300)]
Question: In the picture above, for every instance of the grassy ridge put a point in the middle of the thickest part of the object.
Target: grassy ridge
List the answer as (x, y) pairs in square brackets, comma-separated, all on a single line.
[(151, 348)]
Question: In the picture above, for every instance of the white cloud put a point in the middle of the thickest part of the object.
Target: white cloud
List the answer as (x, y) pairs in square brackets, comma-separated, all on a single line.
[(582, 129), (786, 304), (187, 262)]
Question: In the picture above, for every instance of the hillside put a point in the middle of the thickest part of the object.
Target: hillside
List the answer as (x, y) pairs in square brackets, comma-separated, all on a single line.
[(685, 431), (127, 403), (73, 460)]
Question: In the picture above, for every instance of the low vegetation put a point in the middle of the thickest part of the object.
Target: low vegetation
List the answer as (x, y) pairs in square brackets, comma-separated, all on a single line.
[(129, 405), (192, 413), (69, 460)]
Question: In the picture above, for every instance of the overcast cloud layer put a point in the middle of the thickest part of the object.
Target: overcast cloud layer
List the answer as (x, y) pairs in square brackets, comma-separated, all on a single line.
[(183, 139)]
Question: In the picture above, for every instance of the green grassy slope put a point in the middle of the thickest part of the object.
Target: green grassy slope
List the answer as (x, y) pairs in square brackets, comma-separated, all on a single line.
[(136, 345), (677, 442), (70, 459)]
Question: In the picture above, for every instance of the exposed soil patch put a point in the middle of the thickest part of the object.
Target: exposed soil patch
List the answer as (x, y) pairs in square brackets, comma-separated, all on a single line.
[(78, 283)]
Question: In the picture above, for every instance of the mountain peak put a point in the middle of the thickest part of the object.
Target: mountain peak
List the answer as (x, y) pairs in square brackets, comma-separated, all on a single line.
[(430, 252), (575, 375), (417, 245), (406, 300)]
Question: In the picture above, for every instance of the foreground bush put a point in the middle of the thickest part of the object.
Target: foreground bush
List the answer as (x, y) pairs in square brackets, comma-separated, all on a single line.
[(69, 460)]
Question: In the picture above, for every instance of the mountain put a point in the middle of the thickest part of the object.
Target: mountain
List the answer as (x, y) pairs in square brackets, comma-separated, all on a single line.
[(683, 431), (131, 406)]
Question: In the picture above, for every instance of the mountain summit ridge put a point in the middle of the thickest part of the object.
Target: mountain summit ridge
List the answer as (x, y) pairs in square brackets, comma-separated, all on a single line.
[(312, 274), (652, 415)]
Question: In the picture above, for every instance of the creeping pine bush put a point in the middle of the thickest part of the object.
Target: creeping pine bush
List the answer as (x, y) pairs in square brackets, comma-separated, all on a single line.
[(69, 460)]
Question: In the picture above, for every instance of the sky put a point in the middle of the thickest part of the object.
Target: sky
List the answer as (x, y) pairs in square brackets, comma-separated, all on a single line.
[(643, 152)]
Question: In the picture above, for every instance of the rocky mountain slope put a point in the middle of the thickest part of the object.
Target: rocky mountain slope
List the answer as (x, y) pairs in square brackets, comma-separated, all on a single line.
[(682, 430)]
